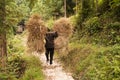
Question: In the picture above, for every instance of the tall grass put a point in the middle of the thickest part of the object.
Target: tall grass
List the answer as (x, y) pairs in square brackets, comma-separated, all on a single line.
[(33, 70), (20, 65), (93, 62)]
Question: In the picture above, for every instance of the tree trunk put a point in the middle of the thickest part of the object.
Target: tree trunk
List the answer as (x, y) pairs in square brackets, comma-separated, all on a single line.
[(76, 7), (96, 6), (65, 8), (3, 49), (3, 52), (82, 8)]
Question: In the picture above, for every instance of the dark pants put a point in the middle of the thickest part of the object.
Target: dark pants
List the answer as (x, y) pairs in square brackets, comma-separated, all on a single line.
[(51, 52)]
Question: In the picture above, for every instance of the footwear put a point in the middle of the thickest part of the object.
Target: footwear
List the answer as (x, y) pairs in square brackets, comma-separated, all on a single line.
[(50, 63), (47, 60)]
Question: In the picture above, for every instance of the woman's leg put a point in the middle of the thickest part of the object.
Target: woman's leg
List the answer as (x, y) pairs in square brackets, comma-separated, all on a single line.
[(47, 54), (51, 55)]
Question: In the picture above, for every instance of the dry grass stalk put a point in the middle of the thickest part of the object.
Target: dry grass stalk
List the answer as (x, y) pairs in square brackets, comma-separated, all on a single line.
[(64, 30), (37, 31), (60, 42), (63, 27)]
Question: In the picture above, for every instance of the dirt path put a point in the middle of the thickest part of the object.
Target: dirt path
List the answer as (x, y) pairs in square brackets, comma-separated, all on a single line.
[(54, 71)]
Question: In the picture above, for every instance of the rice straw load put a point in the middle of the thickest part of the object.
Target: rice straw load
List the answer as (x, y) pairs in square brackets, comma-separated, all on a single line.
[(64, 30), (37, 31), (63, 27), (60, 42)]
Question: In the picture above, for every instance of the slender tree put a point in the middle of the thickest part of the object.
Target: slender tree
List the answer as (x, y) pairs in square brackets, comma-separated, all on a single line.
[(3, 50), (76, 7), (82, 9), (96, 2), (65, 8)]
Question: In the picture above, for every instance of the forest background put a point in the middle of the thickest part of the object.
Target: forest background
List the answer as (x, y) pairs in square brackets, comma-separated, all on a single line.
[(94, 49)]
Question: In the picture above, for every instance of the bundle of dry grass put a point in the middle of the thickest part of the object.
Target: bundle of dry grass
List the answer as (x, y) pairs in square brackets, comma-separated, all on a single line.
[(64, 30), (60, 42), (37, 31), (63, 27)]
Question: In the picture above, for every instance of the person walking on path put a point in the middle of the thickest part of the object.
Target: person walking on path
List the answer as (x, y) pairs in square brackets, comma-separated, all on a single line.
[(49, 46)]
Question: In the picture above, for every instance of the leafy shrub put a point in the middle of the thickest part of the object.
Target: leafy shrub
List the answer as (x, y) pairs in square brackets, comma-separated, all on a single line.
[(105, 65), (114, 26), (33, 69), (93, 62), (102, 65), (96, 34), (112, 33), (73, 20), (33, 74), (76, 54), (5, 76), (103, 6), (50, 23), (14, 46), (93, 25), (115, 7), (15, 67)]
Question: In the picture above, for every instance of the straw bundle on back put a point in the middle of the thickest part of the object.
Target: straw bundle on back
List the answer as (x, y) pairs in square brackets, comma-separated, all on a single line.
[(64, 30), (60, 42), (37, 31), (63, 27)]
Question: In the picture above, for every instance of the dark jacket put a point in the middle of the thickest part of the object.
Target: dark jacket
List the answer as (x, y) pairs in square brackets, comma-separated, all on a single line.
[(50, 36), (21, 23)]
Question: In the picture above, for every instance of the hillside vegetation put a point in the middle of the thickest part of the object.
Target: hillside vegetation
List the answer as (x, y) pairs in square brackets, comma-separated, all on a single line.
[(94, 52), (94, 48)]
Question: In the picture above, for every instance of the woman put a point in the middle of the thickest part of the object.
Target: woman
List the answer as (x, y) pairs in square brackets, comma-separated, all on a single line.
[(50, 36)]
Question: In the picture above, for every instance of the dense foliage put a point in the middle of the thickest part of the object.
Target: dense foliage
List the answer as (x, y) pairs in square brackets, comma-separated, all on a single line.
[(93, 62), (96, 22), (95, 50), (99, 23)]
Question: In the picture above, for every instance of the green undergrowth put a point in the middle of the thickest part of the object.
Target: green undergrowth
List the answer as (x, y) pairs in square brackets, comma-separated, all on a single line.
[(33, 69), (20, 65), (14, 68), (93, 62), (22, 68)]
